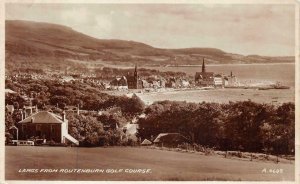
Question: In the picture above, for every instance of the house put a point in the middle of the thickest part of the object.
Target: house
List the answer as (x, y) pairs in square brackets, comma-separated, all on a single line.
[(45, 125), (184, 83), (218, 81), (119, 83), (67, 79), (204, 79), (144, 83), (162, 82), (231, 80), (169, 139), (172, 83)]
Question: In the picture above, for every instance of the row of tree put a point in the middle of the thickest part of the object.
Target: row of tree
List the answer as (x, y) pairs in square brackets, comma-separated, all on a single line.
[(244, 126), (54, 93)]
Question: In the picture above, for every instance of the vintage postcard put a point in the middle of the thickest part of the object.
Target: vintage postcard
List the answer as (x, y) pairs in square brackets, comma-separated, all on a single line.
[(132, 91)]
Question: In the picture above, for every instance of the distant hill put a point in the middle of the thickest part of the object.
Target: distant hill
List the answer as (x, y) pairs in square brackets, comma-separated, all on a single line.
[(45, 43)]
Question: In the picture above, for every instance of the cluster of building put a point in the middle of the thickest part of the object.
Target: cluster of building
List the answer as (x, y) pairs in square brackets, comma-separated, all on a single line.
[(210, 79), (202, 79), (135, 82)]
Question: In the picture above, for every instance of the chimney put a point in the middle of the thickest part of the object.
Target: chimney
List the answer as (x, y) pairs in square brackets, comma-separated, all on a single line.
[(24, 113), (32, 120), (63, 115)]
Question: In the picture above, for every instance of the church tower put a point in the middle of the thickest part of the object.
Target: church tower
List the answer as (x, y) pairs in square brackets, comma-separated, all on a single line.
[(136, 77), (203, 66), (135, 72)]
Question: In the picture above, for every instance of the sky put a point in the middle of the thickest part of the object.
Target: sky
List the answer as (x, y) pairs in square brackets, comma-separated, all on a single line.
[(267, 30)]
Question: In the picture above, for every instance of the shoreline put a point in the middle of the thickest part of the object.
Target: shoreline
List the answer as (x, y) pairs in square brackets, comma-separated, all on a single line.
[(224, 95), (237, 64)]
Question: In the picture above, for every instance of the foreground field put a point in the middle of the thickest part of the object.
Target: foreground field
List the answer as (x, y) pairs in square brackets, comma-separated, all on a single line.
[(162, 164)]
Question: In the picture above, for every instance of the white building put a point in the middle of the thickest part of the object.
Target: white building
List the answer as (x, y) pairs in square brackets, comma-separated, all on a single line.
[(218, 80), (231, 81)]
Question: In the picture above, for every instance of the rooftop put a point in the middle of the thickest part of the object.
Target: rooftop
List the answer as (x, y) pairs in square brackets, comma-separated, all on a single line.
[(43, 117)]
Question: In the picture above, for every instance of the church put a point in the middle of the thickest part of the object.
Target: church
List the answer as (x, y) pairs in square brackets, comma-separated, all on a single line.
[(134, 81), (204, 79)]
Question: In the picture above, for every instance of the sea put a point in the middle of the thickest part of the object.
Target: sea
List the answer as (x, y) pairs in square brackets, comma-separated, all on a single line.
[(245, 73), (275, 72)]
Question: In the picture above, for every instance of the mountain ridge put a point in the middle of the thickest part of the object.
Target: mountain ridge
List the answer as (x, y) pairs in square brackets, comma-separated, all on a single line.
[(30, 41)]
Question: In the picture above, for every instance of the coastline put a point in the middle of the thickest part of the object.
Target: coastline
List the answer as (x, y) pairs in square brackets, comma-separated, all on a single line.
[(223, 95), (238, 64)]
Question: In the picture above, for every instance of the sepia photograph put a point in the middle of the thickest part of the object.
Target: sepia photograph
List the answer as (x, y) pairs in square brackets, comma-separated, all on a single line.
[(150, 91)]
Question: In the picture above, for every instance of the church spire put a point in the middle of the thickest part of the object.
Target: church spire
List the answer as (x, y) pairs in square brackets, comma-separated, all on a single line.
[(136, 77), (203, 66), (135, 70)]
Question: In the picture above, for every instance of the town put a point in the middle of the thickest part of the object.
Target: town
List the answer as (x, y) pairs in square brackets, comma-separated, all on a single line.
[(133, 80), (56, 108), (40, 122)]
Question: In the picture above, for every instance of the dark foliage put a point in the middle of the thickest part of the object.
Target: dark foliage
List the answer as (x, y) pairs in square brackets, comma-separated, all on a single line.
[(244, 126)]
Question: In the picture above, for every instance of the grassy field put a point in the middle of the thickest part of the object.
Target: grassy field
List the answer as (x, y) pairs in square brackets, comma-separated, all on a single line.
[(163, 165)]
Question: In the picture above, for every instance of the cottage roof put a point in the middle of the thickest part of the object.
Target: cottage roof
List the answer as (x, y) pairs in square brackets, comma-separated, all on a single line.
[(170, 137), (43, 117), (146, 142), (218, 75)]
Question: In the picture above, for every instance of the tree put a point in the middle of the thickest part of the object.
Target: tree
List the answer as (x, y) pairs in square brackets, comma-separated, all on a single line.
[(9, 121), (133, 106), (283, 130), (59, 100), (16, 105), (243, 124)]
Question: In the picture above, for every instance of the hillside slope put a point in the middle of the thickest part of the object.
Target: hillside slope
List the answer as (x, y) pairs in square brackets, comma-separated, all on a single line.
[(47, 43)]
